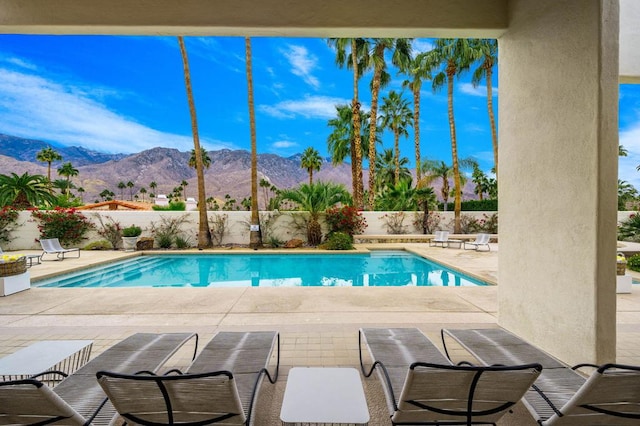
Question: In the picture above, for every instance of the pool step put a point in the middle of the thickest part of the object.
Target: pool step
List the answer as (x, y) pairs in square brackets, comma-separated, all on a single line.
[(109, 273)]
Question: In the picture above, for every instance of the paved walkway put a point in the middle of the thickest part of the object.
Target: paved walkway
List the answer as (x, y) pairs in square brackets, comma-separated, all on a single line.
[(318, 326)]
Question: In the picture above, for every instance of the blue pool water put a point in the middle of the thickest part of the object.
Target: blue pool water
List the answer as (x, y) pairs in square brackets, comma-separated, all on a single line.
[(375, 269)]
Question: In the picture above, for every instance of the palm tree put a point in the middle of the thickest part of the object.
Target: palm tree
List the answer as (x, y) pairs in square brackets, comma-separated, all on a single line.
[(418, 69), (204, 233), (481, 181), (358, 48), (315, 199), (255, 234), (425, 197), (400, 55), (341, 140), (456, 55), (184, 185), (107, 195), (386, 169), (68, 171), (434, 170), (63, 185), (622, 151), (48, 155), (400, 197), (206, 160), (153, 185), (265, 185), (130, 185), (25, 191), (488, 52), (81, 191), (143, 191), (121, 187), (311, 161), (396, 116)]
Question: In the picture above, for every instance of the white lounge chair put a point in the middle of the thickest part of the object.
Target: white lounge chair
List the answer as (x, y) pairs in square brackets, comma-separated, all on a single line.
[(481, 240), (52, 246), (423, 387), (220, 387), (440, 237), (78, 399)]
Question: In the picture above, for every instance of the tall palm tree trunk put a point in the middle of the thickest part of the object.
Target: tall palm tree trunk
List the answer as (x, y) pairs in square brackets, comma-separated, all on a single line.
[(396, 173), (492, 120), (416, 127), (356, 146), (375, 91), (204, 233), (255, 234), (457, 206)]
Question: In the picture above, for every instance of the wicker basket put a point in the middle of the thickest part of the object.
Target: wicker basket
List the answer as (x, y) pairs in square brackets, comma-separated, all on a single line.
[(621, 267), (17, 267)]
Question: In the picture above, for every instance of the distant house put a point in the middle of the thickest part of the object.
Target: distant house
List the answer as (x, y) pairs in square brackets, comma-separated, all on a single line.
[(162, 200), (115, 205)]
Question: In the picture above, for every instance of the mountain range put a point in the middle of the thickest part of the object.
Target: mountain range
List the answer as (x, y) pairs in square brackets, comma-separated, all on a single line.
[(229, 173)]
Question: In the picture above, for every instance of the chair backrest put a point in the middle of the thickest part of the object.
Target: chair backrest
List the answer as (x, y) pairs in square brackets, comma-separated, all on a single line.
[(47, 245), (483, 238), (30, 401), (435, 393), (55, 243), (189, 399), (611, 395)]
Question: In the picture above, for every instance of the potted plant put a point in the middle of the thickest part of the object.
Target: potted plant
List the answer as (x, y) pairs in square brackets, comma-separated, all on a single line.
[(130, 236)]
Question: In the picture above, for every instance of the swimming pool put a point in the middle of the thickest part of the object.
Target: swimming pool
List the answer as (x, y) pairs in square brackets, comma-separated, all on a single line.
[(374, 269)]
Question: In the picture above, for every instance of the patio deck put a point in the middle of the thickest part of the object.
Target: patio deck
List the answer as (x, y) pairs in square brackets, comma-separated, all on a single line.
[(318, 326)]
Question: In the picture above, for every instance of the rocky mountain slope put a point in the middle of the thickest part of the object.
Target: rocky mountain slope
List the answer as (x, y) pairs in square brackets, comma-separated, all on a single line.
[(229, 172)]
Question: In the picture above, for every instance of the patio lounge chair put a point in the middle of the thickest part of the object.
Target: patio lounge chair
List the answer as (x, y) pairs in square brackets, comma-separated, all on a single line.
[(481, 240), (440, 237), (78, 399), (52, 246), (423, 387), (561, 396), (221, 385)]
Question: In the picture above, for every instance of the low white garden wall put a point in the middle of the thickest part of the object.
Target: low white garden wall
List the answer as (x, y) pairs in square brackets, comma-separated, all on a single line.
[(285, 226)]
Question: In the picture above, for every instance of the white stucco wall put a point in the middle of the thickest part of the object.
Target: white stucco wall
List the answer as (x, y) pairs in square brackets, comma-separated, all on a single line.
[(629, 41), (558, 136), (26, 235)]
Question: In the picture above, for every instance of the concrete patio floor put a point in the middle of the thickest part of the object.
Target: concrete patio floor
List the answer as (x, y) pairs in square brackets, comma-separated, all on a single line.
[(318, 326)]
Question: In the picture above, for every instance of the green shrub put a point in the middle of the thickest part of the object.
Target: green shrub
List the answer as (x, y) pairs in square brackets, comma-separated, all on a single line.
[(8, 221), (345, 219), (629, 229), (132, 231), (338, 241), (633, 262), (174, 206), (164, 241), (67, 225), (182, 242), (474, 206), (99, 245)]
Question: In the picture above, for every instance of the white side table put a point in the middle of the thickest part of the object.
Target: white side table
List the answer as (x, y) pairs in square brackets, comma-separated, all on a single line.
[(62, 355), (324, 396)]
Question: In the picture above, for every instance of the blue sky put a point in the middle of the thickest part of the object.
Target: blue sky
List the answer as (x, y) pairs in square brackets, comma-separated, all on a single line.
[(126, 94)]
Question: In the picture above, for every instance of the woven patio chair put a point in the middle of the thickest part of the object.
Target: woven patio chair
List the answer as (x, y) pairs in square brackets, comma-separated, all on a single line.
[(434, 391), (220, 387), (52, 246), (561, 395), (481, 240), (78, 398)]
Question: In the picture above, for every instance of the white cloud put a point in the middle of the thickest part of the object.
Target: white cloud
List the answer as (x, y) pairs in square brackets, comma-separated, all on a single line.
[(284, 144), (35, 107), (303, 64), (420, 45), (468, 89), (320, 107)]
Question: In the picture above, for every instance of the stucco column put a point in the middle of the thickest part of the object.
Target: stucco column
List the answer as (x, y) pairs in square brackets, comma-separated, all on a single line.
[(558, 176)]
